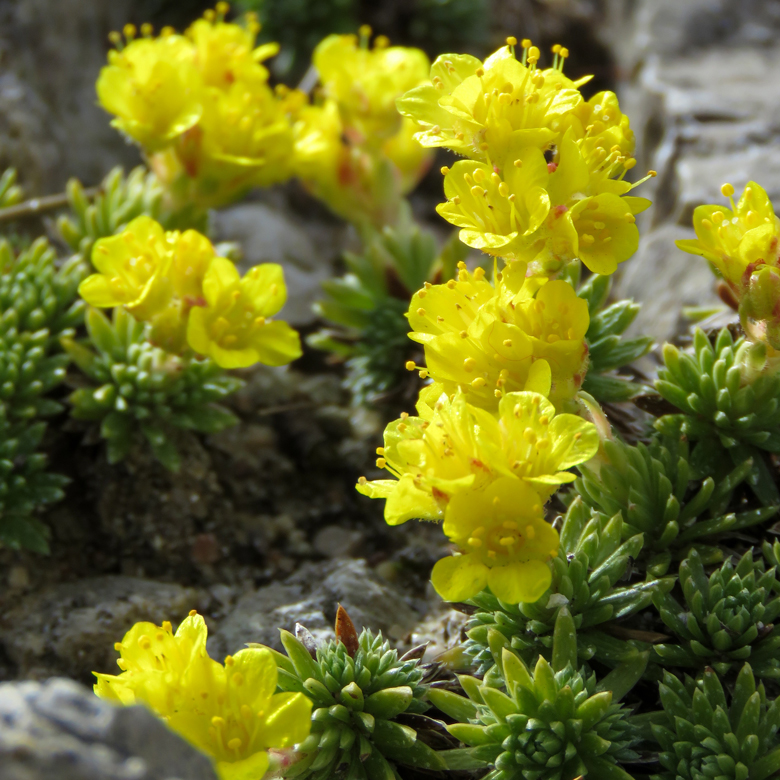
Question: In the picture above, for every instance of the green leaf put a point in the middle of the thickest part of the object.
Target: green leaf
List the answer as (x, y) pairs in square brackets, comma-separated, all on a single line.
[(457, 707)]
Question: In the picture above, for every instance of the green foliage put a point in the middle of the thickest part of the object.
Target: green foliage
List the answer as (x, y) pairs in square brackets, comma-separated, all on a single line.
[(594, 556), (702, 736), (728, 619), (449, 25), (608, 350), (650, 485), (556, 723), (120, 200), (10, 191), (730, 415), (358, 692), (368, 304), (39, 304), (137, 387)]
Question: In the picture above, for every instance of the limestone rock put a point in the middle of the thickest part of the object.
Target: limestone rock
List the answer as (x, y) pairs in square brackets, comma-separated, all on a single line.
[(71, 628), (59, 730), (311, 596)]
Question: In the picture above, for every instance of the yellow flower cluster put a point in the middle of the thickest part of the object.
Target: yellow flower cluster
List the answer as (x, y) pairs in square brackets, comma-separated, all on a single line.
[(200, 105), (352, 148), (743, 246), (544, 183), (191, 297), (524, 333), (487, 475), (232, 712)]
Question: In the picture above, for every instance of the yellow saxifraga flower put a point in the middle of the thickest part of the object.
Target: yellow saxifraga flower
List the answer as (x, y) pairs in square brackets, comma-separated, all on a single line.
[(225, 52), (545, 214), (743, 246), (153, 89), (230, 712), (506, 544), (485, 110), (522, 334), (132, 267), (365, 82), (453, 447), (233, 328)]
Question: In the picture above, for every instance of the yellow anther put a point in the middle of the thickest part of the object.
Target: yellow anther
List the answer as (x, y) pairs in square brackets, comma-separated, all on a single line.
[(518, 163), (480, 72), (497, 393), (463, 334), (381, 42), (424, 373), (533, 53), (587, 239), (237, 679), (556, 48), (451, 284), (599, 225), (564, 52), (420, 312), (444, 170), (469, 364), (507, 541), (544, 420), (629, 163), (118, 646), (479, 274), (229, 661), (401, 428), (463, 276), (122, 664), (529, 435), (718, 217), (410, 366), (525, 43), (381, 463), (144, 642), (652, 174), (511, 41), (456, 200), (474, 542), (727, 190), (478, 382), (503, 189), (217, 722), (479, 175), (235, 744), (507, 343), (380, 450), (362, 481), (193, 612)]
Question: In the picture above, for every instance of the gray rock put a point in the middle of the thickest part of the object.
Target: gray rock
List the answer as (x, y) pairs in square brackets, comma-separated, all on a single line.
[(59, 730), (311, 596), (71, 628), (664, 279), (51, 127)]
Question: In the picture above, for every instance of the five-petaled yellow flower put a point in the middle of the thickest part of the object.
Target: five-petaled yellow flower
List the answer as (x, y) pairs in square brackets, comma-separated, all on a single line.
[(505, 544), (523, 334), (152, 89), (233, 327), (232, 712), (453, 447)]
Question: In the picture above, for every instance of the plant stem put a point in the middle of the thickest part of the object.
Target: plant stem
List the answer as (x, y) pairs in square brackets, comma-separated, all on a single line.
[(34, 206)]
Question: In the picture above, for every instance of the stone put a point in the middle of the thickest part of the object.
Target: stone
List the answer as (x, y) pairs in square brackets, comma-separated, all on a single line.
[(59, 730), (311, 597), (664, 280), (334, 541), (71, 628)]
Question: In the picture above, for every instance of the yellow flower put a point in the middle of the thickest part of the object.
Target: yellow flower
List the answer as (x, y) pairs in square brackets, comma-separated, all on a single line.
[(356, 182), (506, 544), (247, 138), (738, 240), (232, 328), (131, 267), (230, 712), (454, 447), (540, 212), (409, 158), (225, 52), (366, 82), (524, 334), (152, 88), (487, 110)]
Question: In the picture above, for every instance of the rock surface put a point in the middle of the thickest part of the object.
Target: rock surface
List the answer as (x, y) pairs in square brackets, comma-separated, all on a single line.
[(311, 597), (71, 628), (59, 730), (704, 107)]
